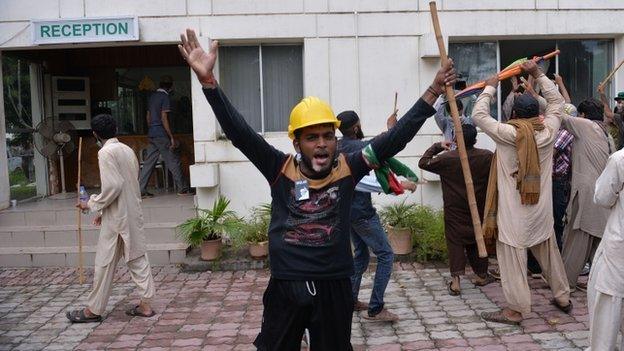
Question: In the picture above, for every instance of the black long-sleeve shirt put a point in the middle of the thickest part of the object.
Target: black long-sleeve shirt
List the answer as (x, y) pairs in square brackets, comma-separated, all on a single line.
[(309, 239)]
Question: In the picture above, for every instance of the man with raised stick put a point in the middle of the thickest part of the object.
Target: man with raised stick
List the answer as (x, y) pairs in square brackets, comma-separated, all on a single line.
[(519, 200)]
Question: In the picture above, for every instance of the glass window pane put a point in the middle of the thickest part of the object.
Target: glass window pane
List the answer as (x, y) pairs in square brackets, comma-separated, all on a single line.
[(583, 64), (475, 62), (239, 75), (282, 84)]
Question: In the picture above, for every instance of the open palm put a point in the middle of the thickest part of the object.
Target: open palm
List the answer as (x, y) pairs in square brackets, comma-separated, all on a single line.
[(201, 62)]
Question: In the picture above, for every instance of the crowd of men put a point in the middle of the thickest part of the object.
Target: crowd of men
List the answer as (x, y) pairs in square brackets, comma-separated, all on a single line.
[(551, 192)]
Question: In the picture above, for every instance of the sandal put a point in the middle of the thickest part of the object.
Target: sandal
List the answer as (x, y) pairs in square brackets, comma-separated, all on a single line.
[(134, 312), (565, 309), (79, 316), (487, 280), (452, 291), (498, 317)]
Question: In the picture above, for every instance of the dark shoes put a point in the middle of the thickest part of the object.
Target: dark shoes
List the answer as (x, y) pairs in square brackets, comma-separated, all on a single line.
[(186, 192), (79, 316), (146, 195), (383, 316)]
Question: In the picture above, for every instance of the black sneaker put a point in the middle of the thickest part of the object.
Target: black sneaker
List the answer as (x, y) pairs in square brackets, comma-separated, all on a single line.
[(146, 194)]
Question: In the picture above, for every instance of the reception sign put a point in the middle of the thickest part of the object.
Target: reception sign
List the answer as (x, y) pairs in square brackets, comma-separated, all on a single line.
[(85, 30)]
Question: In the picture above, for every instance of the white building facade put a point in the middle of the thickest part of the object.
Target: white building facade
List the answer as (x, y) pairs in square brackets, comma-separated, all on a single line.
[(353, 54)]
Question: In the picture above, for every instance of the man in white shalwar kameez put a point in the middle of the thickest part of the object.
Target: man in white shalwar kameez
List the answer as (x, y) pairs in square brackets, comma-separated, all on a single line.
[(121, 218), (605, 290)]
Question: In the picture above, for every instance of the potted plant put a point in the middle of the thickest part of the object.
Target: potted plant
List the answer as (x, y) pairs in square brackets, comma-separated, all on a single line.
[(207, 229), (254, 232), (397, 220)]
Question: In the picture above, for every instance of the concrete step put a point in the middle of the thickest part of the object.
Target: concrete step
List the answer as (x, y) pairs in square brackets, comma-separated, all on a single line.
[(65, 216), (66, 235), (158, 254)]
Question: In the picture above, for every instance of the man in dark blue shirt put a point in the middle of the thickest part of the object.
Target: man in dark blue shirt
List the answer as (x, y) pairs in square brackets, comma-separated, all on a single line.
[(161, 140), (367, 230)]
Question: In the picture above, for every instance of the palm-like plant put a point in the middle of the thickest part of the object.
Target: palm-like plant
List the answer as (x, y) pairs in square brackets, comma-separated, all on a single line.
[(209, 224), (397, 215)]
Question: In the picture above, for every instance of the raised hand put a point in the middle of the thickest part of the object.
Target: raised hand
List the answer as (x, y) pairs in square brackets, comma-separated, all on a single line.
[(531, 68), (392, 120), (446, 76), (201, 62), (492, 81)]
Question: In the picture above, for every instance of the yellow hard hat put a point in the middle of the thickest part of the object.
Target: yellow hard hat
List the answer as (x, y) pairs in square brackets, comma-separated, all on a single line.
[(309, 112)]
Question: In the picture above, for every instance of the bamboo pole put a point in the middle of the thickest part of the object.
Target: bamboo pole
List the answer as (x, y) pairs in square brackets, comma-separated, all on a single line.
[(81, 278), (459, 135), (396, 95), (606, 80)]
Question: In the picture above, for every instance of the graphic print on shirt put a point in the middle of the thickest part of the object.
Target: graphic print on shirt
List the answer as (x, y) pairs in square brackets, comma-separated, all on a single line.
[(311, 222)]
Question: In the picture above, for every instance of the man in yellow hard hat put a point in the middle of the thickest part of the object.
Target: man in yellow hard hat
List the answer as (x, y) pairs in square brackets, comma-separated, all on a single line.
[(310, 251)]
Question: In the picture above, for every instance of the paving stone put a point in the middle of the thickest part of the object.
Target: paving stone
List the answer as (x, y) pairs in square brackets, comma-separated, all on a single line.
[(223, 311)]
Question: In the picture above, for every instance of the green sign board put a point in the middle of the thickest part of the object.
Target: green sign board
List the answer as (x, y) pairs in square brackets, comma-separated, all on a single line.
[(85, 30)]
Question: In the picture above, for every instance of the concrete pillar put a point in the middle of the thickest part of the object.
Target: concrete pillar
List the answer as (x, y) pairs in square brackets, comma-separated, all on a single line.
[(36, 102), (205, 131), (5, 190)]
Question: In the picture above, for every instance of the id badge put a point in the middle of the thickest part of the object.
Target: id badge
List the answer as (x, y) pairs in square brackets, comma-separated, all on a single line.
[(302, 192)]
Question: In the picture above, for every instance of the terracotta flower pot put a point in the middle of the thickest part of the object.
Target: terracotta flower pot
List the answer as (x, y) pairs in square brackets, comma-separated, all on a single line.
[(259, 250), (400, 240), (210, 249)]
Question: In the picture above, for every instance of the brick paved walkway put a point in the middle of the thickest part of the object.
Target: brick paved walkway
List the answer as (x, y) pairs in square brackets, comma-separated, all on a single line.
[(223, 310)]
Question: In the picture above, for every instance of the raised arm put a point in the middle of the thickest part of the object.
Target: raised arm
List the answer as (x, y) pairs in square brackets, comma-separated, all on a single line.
[(499, 132), (607, 109), (554, 102), (388, 144), (562, 89), (429, 162), (440, 117), (611, 182), (264, 156)]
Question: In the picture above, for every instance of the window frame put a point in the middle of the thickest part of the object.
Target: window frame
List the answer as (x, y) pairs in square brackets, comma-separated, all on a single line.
[(260, 45)]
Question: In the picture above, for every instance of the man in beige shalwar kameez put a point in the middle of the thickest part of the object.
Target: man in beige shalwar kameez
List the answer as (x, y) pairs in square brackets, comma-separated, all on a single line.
[(119, 212), (586, 221), (605, 291), (524, 226)]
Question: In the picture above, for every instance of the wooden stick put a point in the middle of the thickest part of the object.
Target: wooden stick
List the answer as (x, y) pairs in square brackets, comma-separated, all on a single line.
[(606, 80), (81, 278), (396, 95), (459, 135)]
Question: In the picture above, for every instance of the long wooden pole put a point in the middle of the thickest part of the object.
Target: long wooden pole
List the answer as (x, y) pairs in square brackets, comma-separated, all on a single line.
[(459, 135), (606, 80), (396, 96), (81, 278)]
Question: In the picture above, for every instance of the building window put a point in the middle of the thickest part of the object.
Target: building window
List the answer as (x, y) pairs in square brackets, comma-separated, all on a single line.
[(583, 64), (264, 82), (474, 62)]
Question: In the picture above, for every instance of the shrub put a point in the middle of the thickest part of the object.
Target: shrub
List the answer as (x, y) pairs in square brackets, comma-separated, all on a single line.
[(256, 229), (427, 227)]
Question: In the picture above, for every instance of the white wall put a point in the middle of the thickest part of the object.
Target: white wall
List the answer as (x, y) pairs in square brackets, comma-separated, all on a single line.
[(357, 53)]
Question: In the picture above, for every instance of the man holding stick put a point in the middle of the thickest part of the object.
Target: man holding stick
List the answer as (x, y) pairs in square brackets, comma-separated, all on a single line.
[(310, 249), (519, 199), (119, 213)]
